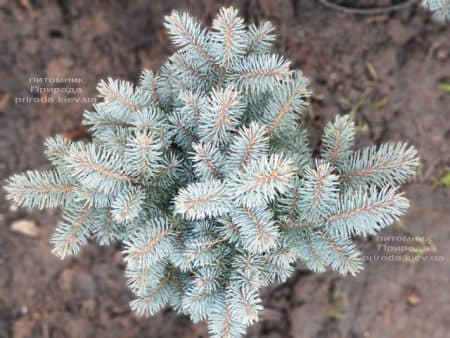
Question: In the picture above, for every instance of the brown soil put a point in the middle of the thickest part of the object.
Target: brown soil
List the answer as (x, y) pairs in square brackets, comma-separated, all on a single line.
[(386, 69)]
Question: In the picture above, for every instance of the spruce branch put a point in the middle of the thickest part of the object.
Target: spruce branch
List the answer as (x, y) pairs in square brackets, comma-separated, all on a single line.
[(198, 304), (201, 248), (92, 197), (440, 9), (151, 300), (221, 323), (261, 181), (260, 38), (151, 243), (191, 74), (245, 303), (115, 140), (318, 192), (142, 153), (204, 175), (228, 36), (341, 252), (292, 142), (185, 31), (128, 204), (288, 99), (101, 119), (45, 189), (288, 204), (185, 128), (250, 144), (267, 69), (257, 230), (169, 171), (73, 231), (57, 150), (149, 81), (104, 229), (194, 103), (366, 212), (121, 96), (202, 199), (96, 168), (319, 248), (208, 161), (142, 277), (221, 117), (389, 164), (338, 140)]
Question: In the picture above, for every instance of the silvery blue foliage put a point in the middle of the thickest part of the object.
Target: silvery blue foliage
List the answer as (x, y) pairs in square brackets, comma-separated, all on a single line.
[(204, 174), (440, 8)]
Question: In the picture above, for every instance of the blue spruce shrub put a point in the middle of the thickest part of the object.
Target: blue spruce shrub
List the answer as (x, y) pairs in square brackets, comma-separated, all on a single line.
[(204, 174)]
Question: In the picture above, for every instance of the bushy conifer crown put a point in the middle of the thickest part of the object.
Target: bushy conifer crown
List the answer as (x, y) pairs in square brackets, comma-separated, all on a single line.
[(203, 172)]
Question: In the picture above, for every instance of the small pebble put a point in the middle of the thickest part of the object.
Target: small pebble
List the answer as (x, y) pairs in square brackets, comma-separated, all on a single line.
[(25, 227), (413, 299), (441, 54)]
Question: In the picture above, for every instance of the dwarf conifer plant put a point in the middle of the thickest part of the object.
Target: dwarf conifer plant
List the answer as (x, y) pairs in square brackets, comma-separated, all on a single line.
[(204, 174)]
